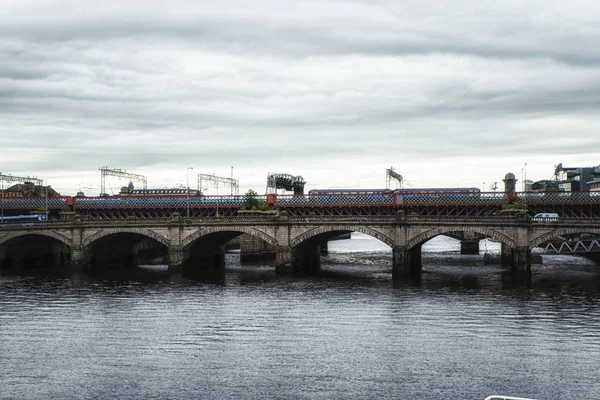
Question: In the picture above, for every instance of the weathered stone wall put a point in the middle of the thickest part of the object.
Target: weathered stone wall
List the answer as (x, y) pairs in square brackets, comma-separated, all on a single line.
[(289, 238)]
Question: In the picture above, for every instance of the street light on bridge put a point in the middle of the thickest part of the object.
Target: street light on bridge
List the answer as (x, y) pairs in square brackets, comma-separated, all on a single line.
[(187, 184)]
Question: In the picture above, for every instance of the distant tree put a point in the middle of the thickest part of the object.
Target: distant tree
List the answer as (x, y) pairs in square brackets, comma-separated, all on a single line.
[(252, 201)]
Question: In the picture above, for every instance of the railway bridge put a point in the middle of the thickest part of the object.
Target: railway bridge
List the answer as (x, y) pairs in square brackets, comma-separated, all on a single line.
[(199, 243)]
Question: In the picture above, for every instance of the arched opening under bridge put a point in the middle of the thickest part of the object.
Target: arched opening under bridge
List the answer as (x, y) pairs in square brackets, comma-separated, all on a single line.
[(34, 251), (568, 242), (125, 249), (447, 240), (344, 245), (210, 249)]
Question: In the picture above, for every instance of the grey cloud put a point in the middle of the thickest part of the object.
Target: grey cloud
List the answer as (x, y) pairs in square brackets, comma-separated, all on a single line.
[(296, 84), (393, 30)]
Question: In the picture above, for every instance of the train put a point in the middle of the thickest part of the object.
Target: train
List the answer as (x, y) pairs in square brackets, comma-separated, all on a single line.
[(18, 219), (378, 192), (367, 192), (398, 196), (168, 200)]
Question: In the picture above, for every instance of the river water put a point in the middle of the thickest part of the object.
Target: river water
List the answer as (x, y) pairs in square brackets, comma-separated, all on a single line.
[(464, 331)]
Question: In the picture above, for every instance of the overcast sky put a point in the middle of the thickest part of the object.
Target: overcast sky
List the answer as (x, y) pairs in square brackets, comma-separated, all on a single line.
[(452, 93)]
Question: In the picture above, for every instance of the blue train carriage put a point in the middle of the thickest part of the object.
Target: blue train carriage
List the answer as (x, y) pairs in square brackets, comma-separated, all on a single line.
[(351, 196), (436, 195), (23, 219)]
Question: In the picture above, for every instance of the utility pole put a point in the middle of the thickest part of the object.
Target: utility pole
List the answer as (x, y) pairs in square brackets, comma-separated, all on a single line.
[(525, 177), (187, 184), (46, 203)]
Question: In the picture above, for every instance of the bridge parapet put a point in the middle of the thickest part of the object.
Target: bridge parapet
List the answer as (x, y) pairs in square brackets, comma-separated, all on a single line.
[(294, 220), (479, 220)]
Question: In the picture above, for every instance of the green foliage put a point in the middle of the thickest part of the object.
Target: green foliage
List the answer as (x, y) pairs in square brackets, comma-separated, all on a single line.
[(514, 206), (253, 202)]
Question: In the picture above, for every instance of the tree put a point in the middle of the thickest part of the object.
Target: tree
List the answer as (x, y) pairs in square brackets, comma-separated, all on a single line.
[(252, 200)]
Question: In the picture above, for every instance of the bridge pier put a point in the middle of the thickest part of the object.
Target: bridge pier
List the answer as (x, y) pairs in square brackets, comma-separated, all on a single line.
[(406, 263), (78, 255), (506, 254), (469, 246), (521, 265), (324, 247), (307, 257), (304, 258), (255, 249), (207, 258), (284, 259), (176, 257)]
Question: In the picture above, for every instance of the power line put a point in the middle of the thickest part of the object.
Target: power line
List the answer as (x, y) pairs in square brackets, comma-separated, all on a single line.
[(12, 178), (105, 171), (234, 184)]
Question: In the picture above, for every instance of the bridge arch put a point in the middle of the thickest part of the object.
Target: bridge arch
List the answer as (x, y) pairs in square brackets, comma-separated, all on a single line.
[(55, 235), (347, 228), (561, 232), (442, 230), (239, 229), (140, 231)]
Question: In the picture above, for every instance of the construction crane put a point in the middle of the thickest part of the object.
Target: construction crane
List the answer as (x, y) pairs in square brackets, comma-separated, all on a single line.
[(105, 171), (393, 177), (234, 184)]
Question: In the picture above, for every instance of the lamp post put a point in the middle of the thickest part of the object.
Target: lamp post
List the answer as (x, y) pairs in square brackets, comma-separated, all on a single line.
[(46, 203), (525, 177), (187, 184), (522, 181)]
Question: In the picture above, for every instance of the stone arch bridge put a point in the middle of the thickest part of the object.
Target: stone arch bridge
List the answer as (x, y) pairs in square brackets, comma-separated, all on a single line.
[(296, 239)]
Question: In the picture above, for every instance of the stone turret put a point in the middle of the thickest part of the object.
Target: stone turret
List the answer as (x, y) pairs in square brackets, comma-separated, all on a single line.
[(510, 185)]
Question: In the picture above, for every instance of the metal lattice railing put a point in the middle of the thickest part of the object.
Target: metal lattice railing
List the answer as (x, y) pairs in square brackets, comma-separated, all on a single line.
[(166, 202), (333, 200), (451, 198), (34, 202), (559, 197), (391, 199)]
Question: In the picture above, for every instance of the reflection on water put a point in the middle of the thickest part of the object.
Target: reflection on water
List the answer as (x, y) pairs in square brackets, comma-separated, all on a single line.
[(463, 331)]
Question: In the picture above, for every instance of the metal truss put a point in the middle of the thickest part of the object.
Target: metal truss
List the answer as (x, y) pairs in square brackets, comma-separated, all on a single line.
[(392, 177), (105, 171), (286, 182), (234, 184), (155, 213), (19, 179), (578, 246)]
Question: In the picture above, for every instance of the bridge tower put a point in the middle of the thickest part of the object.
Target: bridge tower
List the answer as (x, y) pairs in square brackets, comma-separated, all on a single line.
[(510, 185)]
